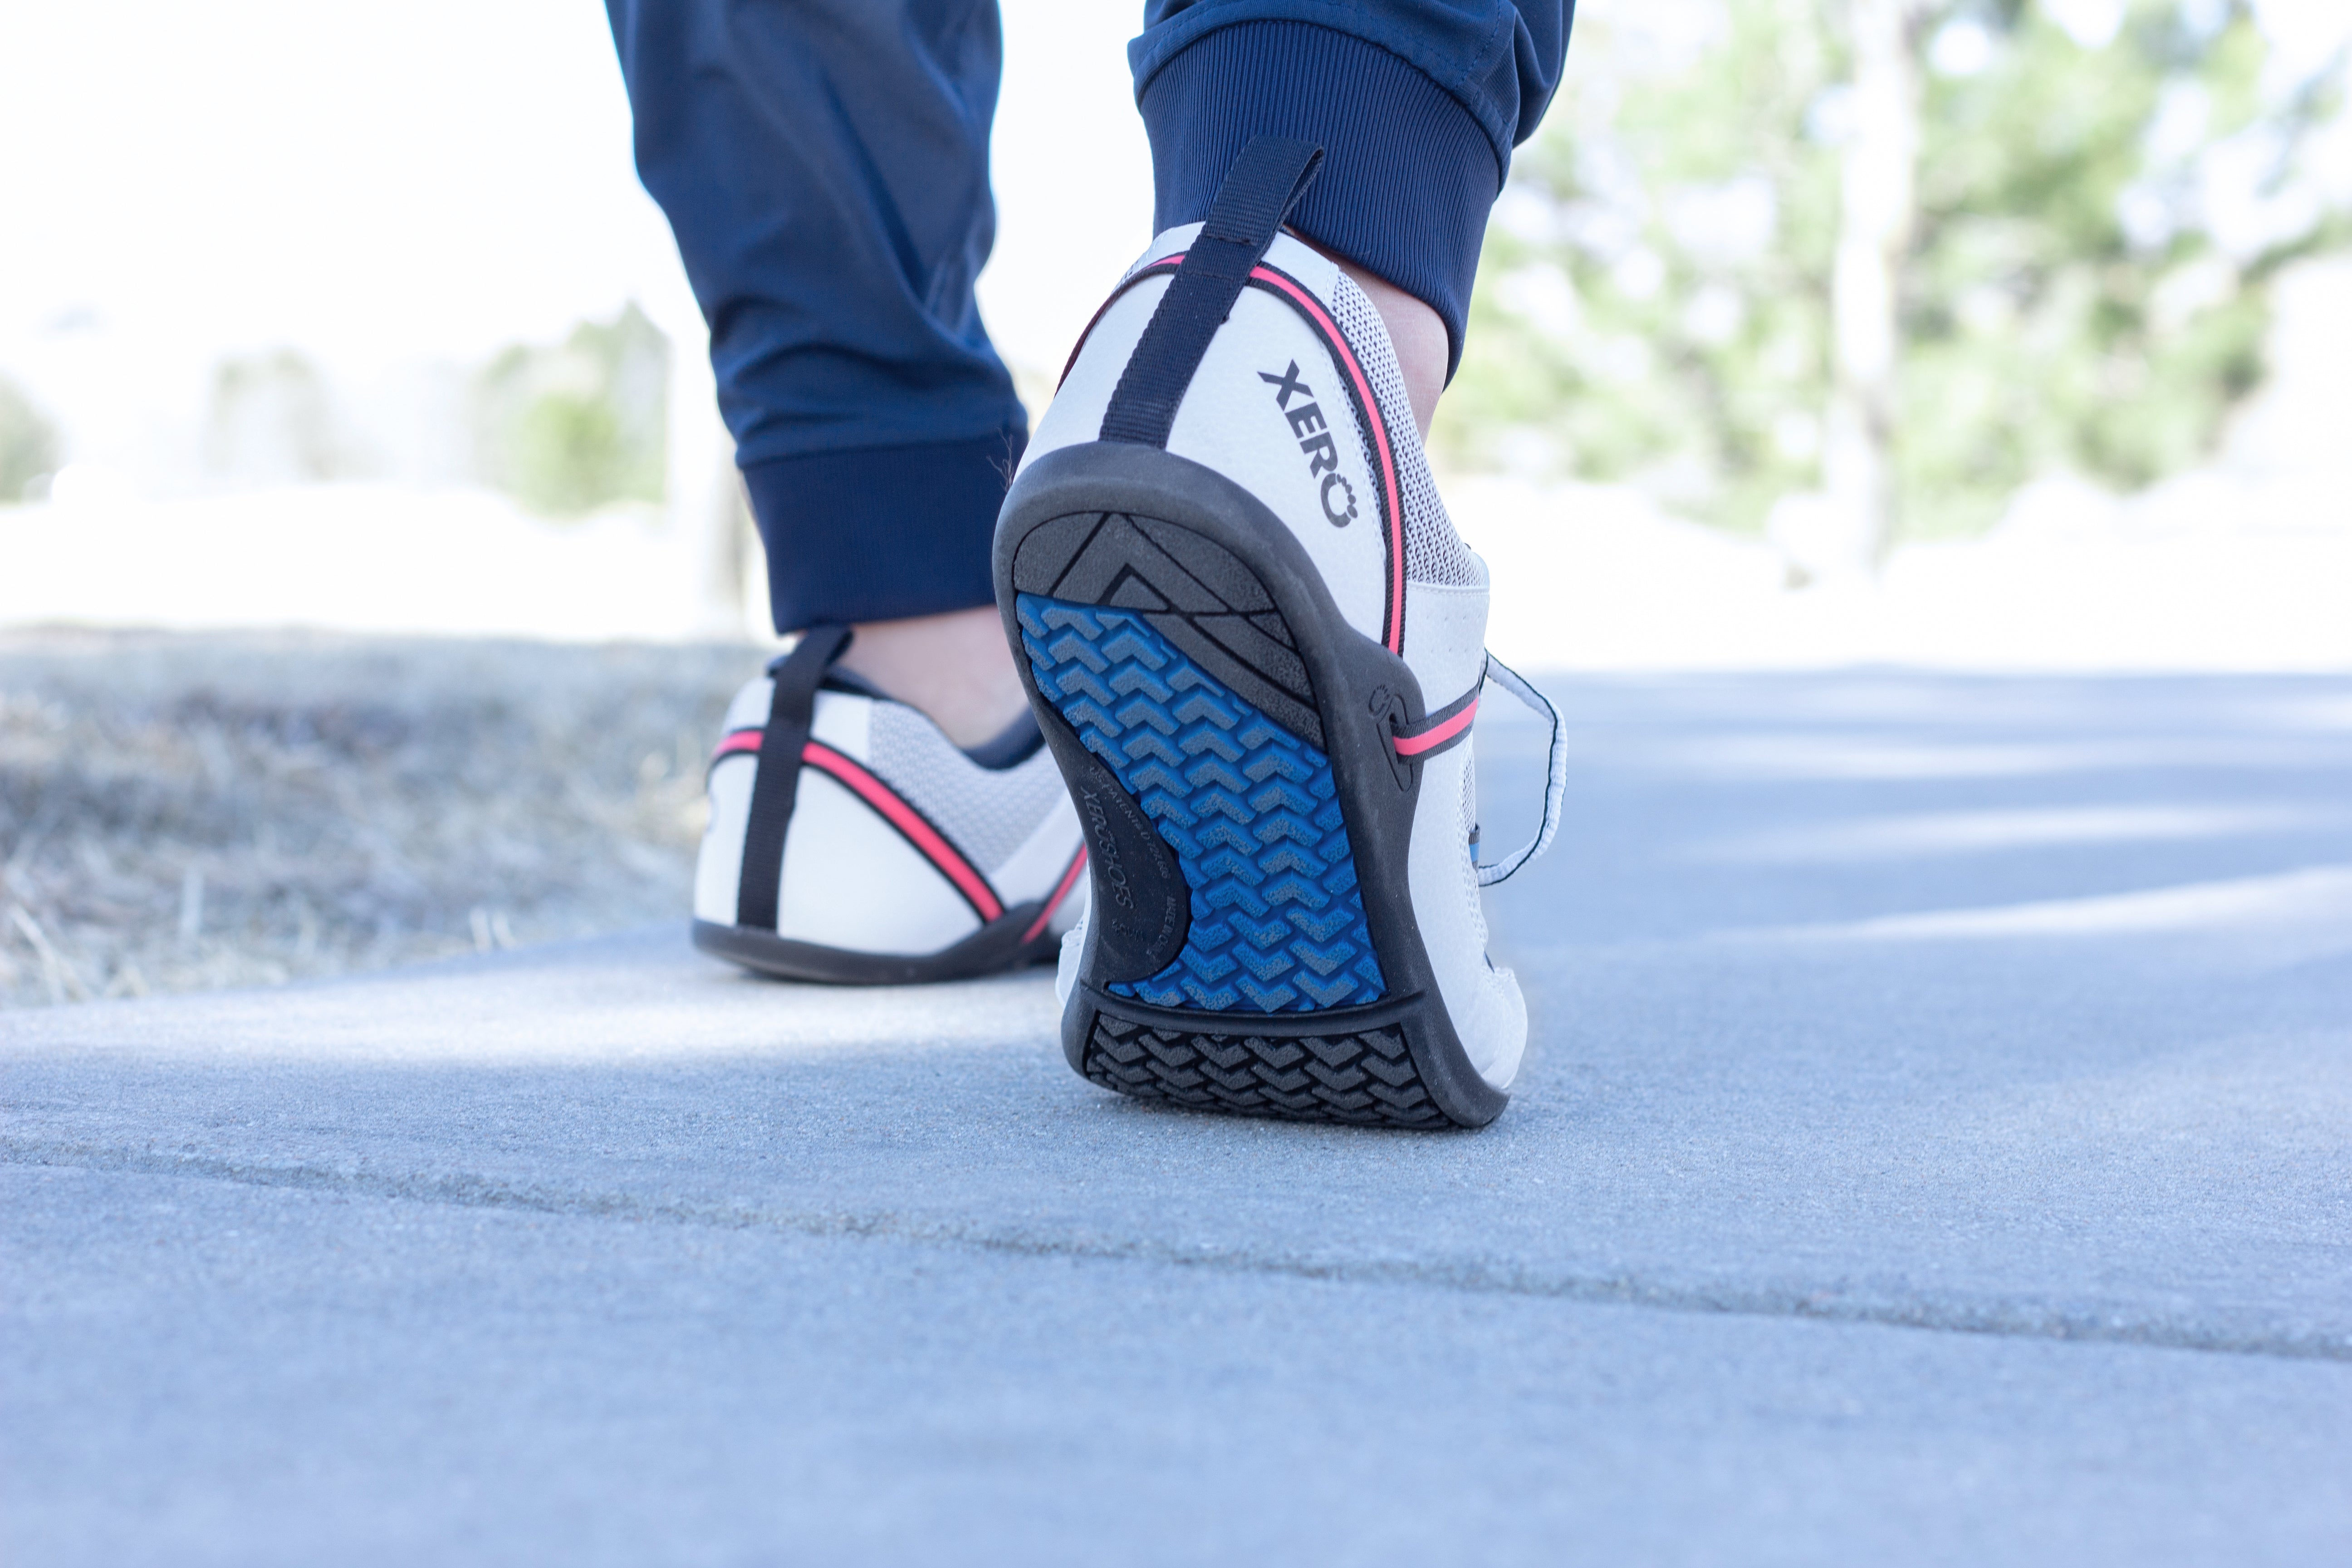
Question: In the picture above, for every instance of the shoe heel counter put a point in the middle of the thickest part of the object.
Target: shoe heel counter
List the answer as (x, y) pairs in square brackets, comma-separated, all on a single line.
[(1273, 410), (1281, 405), (847, 879), (718, 864), (727, 790)]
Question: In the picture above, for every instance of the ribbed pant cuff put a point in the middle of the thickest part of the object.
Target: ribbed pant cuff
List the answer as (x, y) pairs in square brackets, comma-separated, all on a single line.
[(1408, 176), (882, 532)]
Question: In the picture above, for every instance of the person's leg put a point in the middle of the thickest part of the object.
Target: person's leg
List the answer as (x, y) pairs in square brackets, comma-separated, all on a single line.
[(825, 167), (1417, 105), (1253, 636)]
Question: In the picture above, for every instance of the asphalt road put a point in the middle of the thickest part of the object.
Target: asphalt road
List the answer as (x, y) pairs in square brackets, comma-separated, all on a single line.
[(1936, 1146)]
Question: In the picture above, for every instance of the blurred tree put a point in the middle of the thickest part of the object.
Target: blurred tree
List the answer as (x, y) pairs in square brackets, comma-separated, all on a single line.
[(568, 429), (271, 422), (2101, 209), (28, 443), (2069, 272), (1877, 216)]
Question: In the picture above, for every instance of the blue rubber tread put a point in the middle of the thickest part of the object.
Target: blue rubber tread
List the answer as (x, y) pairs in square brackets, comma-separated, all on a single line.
[(1250, 809)]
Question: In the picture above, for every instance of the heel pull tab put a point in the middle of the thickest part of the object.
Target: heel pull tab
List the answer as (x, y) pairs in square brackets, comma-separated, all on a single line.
[(790, 707), (1264, 182)]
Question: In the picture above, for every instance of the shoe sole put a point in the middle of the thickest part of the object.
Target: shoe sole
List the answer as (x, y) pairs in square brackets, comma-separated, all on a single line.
[(1225, 734), (998, 945)]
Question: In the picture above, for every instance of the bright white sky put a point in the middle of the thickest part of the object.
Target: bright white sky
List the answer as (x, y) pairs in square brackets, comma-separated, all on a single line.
[(383, 185), (380, 184)]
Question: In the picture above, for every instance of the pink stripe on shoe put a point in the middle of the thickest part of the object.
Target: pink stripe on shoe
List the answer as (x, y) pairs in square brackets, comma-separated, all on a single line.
[(1431, 738), (1392, 512), (739, 742), (1392, 518), (911, 824), (1069, 881)]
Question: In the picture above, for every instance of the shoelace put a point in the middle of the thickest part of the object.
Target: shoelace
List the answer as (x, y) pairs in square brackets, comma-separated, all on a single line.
[(1555, 773)]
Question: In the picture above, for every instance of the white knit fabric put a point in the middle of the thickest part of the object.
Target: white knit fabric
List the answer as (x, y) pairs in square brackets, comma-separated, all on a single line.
[(989, 814), (1434, 552)]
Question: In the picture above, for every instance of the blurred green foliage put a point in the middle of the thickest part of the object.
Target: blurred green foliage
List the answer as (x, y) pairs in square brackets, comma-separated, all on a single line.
[(271, 417), (28, 442), (2097, 224), (570, 428)]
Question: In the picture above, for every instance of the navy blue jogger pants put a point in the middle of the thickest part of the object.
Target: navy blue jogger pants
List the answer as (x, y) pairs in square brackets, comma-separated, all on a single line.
[(825, 166)]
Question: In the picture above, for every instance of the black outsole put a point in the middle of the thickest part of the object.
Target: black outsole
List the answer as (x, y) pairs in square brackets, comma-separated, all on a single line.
[(995, 948), (1205, 563), (1355, 1066)]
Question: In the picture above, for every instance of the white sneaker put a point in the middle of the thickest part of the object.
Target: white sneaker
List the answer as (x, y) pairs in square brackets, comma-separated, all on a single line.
[(1254, 643), (851, 841)]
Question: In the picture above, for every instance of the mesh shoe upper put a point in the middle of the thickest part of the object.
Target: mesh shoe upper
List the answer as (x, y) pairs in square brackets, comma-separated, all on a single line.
[(899, 842)]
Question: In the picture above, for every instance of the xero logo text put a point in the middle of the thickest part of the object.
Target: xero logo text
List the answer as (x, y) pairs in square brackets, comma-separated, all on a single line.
[(1314, 434)]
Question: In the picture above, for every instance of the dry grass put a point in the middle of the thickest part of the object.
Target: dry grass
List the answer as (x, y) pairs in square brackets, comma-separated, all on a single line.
[(186, 812)]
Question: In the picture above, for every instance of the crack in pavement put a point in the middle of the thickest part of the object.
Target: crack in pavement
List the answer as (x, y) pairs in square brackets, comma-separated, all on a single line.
[(2007, 1319)]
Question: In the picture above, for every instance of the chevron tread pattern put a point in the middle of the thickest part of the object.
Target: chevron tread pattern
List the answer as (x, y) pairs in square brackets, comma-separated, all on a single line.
[(1367, 1078), (1251, 810)]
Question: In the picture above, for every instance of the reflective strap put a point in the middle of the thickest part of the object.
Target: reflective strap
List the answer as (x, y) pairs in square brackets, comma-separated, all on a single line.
[(790, 702), (1264, 182), (1555, 773)]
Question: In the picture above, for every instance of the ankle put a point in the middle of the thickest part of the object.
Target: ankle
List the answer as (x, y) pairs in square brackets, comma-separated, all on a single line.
[(955, 668), (1418, 334), (1415, 332)]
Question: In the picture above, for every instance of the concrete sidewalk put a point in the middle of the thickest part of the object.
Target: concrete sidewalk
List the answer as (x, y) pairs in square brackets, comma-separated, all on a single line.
[(1936, 1146)]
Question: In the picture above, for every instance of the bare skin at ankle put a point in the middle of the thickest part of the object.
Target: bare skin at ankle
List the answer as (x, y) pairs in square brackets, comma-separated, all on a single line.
[(1419, 334), (957, 668)]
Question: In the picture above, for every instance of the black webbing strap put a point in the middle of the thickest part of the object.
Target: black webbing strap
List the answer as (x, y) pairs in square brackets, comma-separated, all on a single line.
[(796, 676), (1260, 189)]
